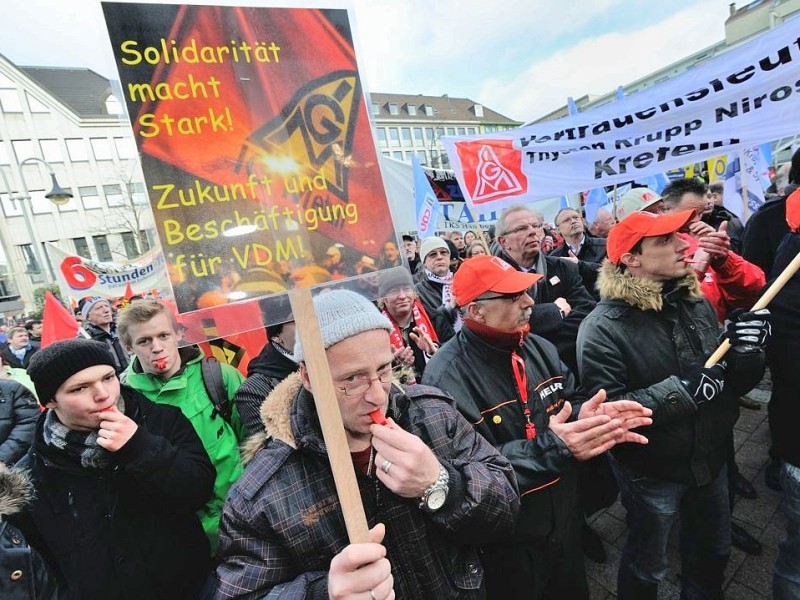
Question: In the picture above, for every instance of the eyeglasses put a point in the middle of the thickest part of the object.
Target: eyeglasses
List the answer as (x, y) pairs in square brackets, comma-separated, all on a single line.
[(524, 228), (359, 384), (511, 297)]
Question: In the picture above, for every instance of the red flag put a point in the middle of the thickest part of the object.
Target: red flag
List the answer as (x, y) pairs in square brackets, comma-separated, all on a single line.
[(129, 291), (57, 322)]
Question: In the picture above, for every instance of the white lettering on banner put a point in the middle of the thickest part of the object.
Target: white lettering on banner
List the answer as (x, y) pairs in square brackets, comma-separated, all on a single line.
[(746, 96), (455, 216)]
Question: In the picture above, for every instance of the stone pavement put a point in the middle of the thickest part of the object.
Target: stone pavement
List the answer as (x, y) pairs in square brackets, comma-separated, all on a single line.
[(747, 577)]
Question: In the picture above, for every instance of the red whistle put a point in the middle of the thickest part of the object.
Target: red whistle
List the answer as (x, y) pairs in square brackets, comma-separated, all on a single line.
[(377, 417), (161, 363), (108, 408)]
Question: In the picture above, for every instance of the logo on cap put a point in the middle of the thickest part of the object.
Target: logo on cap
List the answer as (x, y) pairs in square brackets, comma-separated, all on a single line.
[(492, 169)]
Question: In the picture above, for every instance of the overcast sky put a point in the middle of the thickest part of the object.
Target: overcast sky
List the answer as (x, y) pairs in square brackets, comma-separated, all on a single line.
[(521, 58)]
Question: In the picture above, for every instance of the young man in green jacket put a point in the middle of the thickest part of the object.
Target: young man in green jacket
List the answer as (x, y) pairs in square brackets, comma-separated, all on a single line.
[(169, 374)]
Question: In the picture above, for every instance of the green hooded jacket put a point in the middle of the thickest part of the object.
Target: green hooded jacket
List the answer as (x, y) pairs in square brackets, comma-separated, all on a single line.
[(186, 390)]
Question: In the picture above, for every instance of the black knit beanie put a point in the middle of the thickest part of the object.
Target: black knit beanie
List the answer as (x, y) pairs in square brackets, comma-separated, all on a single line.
[(53, 365)]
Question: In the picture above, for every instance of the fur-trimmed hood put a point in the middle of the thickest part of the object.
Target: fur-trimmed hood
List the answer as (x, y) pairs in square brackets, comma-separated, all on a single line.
[(615, 284), (275, 413), (16, 491)]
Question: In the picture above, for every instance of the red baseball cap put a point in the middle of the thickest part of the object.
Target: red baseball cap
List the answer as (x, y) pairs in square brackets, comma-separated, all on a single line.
[(628, 232), (481, 274)]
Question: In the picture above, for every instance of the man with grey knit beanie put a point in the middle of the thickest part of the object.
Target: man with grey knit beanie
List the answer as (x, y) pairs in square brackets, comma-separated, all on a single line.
[(430, 486), (118, 481)]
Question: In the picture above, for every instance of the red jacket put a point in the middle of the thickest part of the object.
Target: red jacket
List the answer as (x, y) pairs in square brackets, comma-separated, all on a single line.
[(735, 283)]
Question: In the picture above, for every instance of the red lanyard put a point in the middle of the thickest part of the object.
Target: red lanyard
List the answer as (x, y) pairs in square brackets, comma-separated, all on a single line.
[(518, 366)]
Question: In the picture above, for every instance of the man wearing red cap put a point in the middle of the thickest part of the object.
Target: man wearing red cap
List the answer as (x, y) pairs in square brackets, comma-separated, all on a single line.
[(648, 340), (518, 394)]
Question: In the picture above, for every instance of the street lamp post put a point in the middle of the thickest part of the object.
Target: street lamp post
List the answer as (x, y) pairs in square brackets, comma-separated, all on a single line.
[(57, 195)]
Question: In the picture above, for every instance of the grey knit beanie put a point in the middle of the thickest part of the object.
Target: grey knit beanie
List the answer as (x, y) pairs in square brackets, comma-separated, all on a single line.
[(89, 304), (343, 314), (53, 365)]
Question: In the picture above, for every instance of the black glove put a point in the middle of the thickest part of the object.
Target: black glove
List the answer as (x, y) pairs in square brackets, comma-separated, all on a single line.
[(749, 328), (705, 384)]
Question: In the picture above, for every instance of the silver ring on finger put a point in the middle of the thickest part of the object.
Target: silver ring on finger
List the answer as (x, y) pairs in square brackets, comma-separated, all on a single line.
[(385, 466)]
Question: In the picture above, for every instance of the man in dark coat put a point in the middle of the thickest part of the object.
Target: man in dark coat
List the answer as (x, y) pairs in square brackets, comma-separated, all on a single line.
[(426, 480), (561, 300), (17, 353), (585, 251), (118, 481), (648, 340), (273, 364), (100, 326), (518, 394), (783, 357)]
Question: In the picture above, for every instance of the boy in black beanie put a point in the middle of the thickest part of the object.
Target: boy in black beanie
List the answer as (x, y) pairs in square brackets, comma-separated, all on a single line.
[(118, 482)]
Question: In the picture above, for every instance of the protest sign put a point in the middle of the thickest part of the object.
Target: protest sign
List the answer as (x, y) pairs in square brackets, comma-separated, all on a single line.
[(255, 142), (79, 277), (748, 95)]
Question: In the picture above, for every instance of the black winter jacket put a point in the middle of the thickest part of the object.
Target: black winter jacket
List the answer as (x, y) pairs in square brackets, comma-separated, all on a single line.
[(783, 357), (11, 359), (264, 372), (765, 231), (130, 532), (24, 575), (561, 281), (479, 376), (112, 342), (282, 523), (590, 257), (19, 411), (638, 344)]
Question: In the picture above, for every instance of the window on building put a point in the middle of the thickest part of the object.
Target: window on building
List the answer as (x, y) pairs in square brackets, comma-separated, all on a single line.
[(444, 160), (9, 101), (478, 108), (82, 247), (422, 157), (76, 148), (394, 136), (462, 131), (90, 196), (39, 205), (376, 109), (32, 266), (418, 140), (435, 158), (451, 131), (114, 195), (428, 110), (397, 154), (411, 109), (382, 137), (126, 148), (102, 248), (101, 148), (406, 136), (408, 155), (129, 243), (386, 153), (51, 151), (439, 132), (429, 133), (23, 149), (394, 108), (35, 105), (137, 192), (144, 241), (470, 131)]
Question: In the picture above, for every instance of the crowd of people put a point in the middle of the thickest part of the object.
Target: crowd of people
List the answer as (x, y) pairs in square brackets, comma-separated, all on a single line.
[(500, 388)]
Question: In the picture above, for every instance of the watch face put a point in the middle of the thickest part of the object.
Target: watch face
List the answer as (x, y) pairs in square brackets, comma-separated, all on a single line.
[(436, 499)]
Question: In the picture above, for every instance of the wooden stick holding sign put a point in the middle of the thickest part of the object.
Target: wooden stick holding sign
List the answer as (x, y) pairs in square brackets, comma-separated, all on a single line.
[(330, 418), (771, 292)]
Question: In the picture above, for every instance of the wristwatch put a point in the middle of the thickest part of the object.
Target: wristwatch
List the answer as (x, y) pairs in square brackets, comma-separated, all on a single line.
[(433, 498)]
